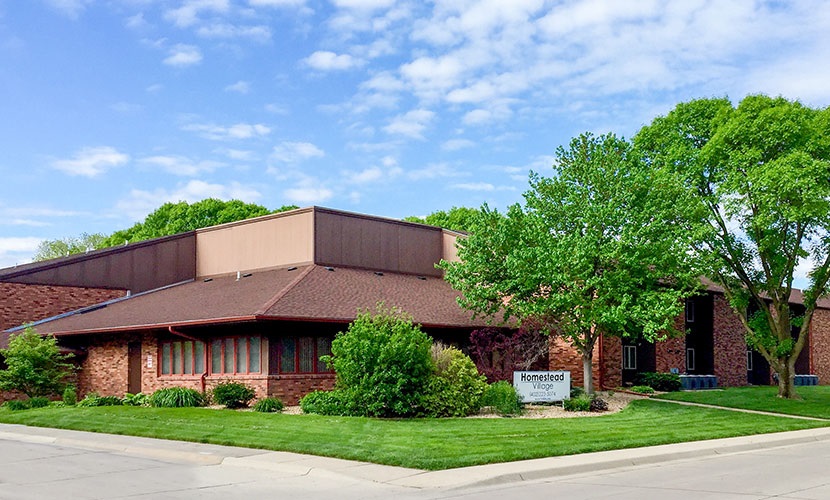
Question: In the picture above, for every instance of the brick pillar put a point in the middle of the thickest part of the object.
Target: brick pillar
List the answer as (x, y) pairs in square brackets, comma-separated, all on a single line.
[(820, 345), (729, 344)]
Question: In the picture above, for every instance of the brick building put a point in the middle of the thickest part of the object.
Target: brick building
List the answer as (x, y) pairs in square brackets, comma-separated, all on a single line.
[(260, 300)]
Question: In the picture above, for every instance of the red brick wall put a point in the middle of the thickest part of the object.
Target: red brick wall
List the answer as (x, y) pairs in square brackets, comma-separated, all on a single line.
[(611, 363), (671, 353), (104, 369), (820, 344), (729, 344), (20, 304), (291, 388), (565, 357)]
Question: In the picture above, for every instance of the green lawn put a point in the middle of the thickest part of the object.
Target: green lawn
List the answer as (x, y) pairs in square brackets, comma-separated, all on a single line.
[(814, 402), (418, 443)]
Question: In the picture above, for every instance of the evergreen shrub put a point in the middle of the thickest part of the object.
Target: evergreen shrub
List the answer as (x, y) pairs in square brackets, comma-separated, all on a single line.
[(456, 388), (233, 394), (663, 382)]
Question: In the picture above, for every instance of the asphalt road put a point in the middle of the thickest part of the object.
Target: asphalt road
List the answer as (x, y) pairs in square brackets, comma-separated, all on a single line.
[(34, 466)]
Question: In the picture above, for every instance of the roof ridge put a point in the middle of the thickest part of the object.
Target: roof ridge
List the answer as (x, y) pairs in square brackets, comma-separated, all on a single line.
[(276, 298)]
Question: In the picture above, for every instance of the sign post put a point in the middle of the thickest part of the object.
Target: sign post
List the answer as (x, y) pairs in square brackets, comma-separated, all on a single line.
[(543, 387)]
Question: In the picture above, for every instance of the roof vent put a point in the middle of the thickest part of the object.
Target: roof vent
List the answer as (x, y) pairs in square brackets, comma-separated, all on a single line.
[(378, 273), (422, 278), (292, 268), (208, 280), (247, 275), (238, 275), (329, 268)]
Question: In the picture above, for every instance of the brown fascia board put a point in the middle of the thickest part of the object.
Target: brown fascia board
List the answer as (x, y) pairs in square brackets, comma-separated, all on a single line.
[(156, 326)]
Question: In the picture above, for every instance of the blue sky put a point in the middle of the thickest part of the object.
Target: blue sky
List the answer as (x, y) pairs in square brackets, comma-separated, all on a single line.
[(109, 108)]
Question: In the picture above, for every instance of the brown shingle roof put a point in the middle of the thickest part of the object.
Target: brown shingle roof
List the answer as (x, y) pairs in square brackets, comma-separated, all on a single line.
[(311, 293)]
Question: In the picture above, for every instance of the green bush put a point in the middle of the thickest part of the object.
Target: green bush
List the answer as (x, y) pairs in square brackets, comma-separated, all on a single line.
[(16, 405), (456, 388), (503, 398), (382, 364), (663, 382), (177, 397), (579, 403), (70, 395), (334, 403), (269, 405), (93, 399), (577, 391), (34, 365), (233, 394), (38, 402), (139, 399), (642, 389)]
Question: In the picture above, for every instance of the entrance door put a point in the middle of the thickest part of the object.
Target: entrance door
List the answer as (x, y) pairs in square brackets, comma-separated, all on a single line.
[(134, 367)]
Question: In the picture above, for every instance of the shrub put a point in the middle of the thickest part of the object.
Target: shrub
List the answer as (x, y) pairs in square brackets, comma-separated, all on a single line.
[(93, 399), (38, 402), (34, 365), (177, 397), (456, 388), (579, 403), (598, 404), (642, 389), (503, 398), (233, 394), (664, 382), (497, 352), (577, 391), (334, 403), (70, 395), (139, 399), (16, 405), (269, 405), (382, 364)]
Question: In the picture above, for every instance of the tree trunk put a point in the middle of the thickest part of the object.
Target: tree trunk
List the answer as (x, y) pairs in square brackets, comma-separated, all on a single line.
[(588, 372), (786, 378)]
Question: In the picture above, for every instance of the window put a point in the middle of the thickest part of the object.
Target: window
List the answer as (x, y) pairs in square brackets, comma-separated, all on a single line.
[(182, 357), (690, 311), (629, 357), (302, 354), (749, 361), (690, 359), (235, 355)]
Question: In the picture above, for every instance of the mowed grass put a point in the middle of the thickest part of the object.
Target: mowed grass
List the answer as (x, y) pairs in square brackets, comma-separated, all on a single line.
[(430, 444), (814, 402)]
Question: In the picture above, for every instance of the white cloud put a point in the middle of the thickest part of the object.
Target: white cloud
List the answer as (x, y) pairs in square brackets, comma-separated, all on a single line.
[(140, 203), (241, 87), (17, 250), (363, 4), (136, 22), (323, 60), (183, 55), (457, 144), (237, 154), (231, 132), (295, 152), (276, 3), (411, 124), (188, 14), (225, 30), (91, 161), (154, 88), (70, 8), (475, 186), (432, 171), (180, 165), (276, 109)]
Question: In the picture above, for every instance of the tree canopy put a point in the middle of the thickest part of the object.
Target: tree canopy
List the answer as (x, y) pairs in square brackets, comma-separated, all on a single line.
[(594, 251), (757, 202), (168, 219), (455, 219), (35, 365)]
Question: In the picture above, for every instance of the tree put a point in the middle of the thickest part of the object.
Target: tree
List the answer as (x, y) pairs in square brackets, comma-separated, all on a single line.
[(758, 205), (498, 352), (456, 219), (52, 249), (594, 251), (35, 365)]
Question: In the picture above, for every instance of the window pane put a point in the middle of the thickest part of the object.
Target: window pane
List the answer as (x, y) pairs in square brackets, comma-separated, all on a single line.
[(254, 354), (323, 349), (229, 353), (199, 360), (287, 351), (241, 355), (307, 359), (216, 356), (177, 357), (188, 357), (165, 358)]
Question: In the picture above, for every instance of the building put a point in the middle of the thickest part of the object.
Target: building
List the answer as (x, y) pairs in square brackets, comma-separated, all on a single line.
[(260, 301)]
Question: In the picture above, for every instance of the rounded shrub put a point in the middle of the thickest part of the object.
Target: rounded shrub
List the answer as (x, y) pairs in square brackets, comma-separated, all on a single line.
[(642, 389), (139, 399), (70, 395), (38, 402), (456, 388), (503, 398), (663, 382), (580, 403), (269, 405), (177, 397), (382, 364), (16, 405), (334, 403), (233, 394)]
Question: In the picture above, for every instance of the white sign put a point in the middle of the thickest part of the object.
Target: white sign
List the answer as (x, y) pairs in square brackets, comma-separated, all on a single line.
[(542, 387)]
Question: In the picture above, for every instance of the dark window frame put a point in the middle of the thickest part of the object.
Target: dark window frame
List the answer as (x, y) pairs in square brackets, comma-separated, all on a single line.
[(172, 362), (629, 357), (319, 367), (223, 342)]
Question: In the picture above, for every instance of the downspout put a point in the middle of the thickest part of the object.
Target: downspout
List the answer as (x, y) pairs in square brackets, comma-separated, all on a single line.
[(601, 364), (194, 339)]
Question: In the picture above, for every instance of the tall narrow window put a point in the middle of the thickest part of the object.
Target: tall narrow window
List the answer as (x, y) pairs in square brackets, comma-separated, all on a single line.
[(287, 355), (302, 354), (323, 349), (255, 354), (749, 361), (182, 357), (216, 356), (165, 358), (690, 359), (234, 355), (229, 355), (690, 311), (307, 357), (242, 355), (629, 357)]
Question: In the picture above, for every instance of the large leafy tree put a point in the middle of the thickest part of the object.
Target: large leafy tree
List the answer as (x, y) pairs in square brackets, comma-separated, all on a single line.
[(34, 365), (758, 185), (456, 218), (594, 251), (61, 247)]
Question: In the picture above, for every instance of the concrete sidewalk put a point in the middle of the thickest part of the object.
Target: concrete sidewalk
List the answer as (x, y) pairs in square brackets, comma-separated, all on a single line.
[(482, 475)]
